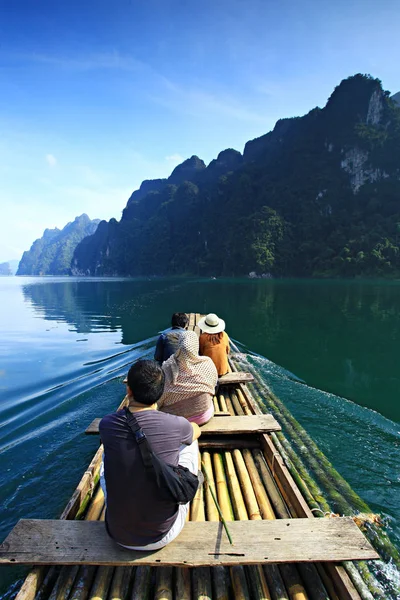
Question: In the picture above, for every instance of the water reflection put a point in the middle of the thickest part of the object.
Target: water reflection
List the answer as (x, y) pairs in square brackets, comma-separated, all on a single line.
[(342, 337)]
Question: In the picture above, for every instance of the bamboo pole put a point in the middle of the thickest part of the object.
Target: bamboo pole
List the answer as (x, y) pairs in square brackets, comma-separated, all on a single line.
[(258, 583), (64, 583), (182, 584), (272, 489), (222, 489), (120, 583), (264, 503), (239, 583), (201, 577), (275, 582), (211, 509), (234, 488), (215, 403), (142, 583), (222, 403), (163, 588), (280, 441), (242, 401), (246, 486), (229, 404), (83, 583), (235, 402), (101, 583), (220, 583)]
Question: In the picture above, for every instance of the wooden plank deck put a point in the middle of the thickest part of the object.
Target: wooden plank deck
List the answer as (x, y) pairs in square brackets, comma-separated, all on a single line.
[(235, 377), (57, 542), (224, 425)]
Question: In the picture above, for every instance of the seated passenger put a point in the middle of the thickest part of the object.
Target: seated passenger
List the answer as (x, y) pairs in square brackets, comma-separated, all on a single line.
[(136, 516), (214, 342), (190, 382), (168, 342)]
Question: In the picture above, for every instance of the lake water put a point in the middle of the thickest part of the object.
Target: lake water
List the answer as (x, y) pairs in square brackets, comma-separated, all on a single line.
[(65, 342)]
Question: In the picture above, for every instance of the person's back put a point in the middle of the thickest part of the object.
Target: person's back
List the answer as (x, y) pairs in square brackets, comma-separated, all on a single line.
[(214, 342), (136, 516), (168, 342)]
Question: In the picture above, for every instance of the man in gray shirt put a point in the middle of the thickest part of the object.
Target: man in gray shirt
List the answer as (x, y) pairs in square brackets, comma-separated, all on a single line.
[(136, 516), (168, 342)]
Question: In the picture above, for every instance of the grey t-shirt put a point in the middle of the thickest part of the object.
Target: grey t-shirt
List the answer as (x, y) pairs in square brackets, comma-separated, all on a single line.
[(135, 515)]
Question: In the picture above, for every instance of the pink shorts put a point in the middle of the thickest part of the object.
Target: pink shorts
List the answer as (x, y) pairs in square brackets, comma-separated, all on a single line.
[(203, 417)]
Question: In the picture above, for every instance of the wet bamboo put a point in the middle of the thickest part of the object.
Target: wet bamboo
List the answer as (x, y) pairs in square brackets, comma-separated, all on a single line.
[(243, 401), (220, 583), (239, 583), (120, 583), (367, 577), (101, 583), (234, 489), (307, 448), (64, 583), (222, 488), (264, 503), (182, 584), (274, 495), (229, 404), (163, 588), (260, 587), (211, 509), (83, 583), (327, 581), (222, 403), (201, 578), (246, 487), (312, 580), (343, 503), (358, 581), (284, 451), (37, 580), (142, 584), (235, 402), (258, 583), (216, 406), (281, 412), (275, 582)]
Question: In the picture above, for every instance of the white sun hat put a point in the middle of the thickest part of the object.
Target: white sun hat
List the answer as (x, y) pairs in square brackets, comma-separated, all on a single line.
[(211, 324)]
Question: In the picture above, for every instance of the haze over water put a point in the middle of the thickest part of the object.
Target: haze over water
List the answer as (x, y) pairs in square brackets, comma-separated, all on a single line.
[(65, 343)]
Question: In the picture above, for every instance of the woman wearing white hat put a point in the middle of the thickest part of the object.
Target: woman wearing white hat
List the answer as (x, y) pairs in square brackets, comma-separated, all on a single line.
[(214, 342)]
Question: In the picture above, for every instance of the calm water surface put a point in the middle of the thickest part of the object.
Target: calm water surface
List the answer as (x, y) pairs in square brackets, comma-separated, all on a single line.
[(65, 342)]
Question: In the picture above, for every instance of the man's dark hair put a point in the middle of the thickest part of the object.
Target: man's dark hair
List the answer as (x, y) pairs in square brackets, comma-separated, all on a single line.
[(146, 380), (180, 320)]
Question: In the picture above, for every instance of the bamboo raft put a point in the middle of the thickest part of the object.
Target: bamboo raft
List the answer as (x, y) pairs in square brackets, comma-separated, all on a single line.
[(255, 477)]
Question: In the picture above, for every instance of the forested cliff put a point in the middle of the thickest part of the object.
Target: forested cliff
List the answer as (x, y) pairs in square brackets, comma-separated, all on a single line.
[(52, 253), (317, 196)]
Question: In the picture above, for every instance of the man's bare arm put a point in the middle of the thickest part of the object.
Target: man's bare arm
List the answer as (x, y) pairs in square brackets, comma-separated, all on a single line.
[(196, 431)]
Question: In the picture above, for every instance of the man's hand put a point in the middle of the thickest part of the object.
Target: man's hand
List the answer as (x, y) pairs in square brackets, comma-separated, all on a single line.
[(196, 431)]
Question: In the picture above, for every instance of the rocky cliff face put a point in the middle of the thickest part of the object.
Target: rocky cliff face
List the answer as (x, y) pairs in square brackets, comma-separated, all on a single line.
[(52, 253), (317, 195)]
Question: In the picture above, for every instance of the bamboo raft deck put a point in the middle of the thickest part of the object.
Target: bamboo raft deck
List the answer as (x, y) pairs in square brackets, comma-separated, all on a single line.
[(249, 475)]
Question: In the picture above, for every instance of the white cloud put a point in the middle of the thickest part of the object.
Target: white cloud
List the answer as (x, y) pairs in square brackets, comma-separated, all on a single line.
[(51, 160), (174, 158)]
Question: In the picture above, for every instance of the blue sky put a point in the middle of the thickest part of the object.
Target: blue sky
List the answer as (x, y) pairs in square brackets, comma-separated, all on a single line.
[(96, 96)]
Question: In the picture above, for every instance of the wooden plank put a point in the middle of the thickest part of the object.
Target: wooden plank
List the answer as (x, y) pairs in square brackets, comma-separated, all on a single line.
[(230, 443), (227, 426), (34, 541), (235, 377), (288, 487)]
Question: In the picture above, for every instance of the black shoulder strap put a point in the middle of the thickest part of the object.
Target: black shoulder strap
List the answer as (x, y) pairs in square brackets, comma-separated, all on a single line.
[(141, 439)]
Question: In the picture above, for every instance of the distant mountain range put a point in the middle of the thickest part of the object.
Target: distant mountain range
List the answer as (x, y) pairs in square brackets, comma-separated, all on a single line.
[(9, 267), (319, 196), (52, 253)]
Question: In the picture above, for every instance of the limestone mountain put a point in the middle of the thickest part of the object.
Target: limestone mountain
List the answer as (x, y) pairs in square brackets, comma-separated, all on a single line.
[(52, 253), (319, 195)]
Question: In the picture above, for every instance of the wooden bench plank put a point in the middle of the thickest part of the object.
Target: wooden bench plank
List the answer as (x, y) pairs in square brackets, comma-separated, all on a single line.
[(58, 542), (235, 377), (227, 425)]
